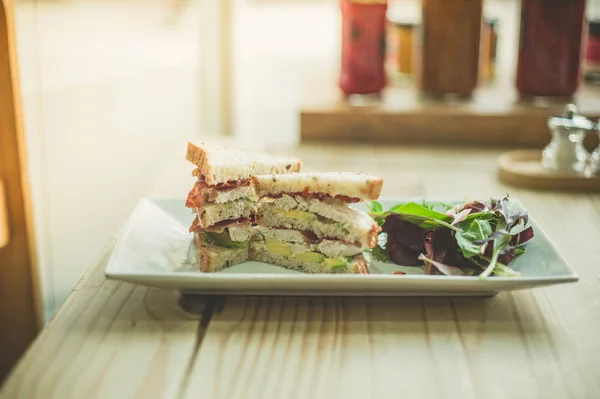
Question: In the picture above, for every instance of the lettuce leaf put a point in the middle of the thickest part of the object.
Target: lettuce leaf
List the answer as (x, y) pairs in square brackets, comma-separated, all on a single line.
[(413, 213), (445, 269), (471, 236)]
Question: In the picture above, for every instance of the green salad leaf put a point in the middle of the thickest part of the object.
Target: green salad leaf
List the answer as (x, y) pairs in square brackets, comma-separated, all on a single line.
[(473, 230), (380, 254), (471, 236), (375, 207), (501, 239), (519, 251), (414, 213)]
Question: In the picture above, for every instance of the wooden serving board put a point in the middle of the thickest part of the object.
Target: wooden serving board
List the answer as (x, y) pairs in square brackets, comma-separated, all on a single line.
[(523, 168), (492, 118)]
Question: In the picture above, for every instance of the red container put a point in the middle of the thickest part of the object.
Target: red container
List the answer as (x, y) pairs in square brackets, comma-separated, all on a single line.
[(550, 48), (592, 52), (363, 47)]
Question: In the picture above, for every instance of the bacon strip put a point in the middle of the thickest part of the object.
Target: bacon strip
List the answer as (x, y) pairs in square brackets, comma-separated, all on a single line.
[(194, 198), (219, 226), (202, 193), (310, 236), (229, 183), (195, 227)]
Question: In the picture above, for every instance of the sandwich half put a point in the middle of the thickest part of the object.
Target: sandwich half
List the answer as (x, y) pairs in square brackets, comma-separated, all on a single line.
[(306, 223), (224, 202)]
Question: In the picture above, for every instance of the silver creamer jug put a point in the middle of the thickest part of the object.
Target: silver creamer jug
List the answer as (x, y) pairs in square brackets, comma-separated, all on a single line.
[(565, 153)]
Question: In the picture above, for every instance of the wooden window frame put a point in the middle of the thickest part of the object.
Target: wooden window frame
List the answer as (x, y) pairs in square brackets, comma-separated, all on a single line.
[(20, 301)]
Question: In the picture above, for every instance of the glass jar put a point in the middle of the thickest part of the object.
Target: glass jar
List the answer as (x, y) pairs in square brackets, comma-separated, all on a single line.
[(363, 47), (400, 52), (405, 33), (451, 32), (550, 48)]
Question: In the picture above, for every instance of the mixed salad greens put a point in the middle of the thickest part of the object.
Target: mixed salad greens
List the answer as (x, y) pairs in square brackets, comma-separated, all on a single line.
[(467, 239)]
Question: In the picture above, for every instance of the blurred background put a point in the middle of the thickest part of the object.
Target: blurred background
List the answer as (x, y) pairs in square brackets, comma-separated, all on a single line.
[(113, 89)]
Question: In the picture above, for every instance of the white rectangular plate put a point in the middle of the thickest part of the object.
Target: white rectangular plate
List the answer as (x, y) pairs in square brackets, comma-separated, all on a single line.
[(155, 249)]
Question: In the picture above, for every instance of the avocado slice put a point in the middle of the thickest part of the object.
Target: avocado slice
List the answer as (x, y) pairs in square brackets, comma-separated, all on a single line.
[(223, 240), (310, 257), (326, 220), (300, 215), (335, 263), (278, 247)]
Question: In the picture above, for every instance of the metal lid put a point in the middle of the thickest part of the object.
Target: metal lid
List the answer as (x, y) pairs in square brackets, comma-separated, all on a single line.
[(570, 120)]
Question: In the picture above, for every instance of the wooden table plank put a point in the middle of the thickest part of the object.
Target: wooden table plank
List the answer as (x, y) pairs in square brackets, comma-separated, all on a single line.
[(115, 339), (518, 344), (110, 339), (383, 347), (570, 312)]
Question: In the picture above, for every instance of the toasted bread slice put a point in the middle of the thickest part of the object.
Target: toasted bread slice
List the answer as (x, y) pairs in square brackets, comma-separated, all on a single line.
[(219, 165), (212, 258), (199, 196), (348, 186), (326, 219), (259, 251)]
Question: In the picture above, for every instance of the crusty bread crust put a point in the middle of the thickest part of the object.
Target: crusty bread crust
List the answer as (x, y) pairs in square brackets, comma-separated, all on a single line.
[(220, 164), (334, 184), (212, 258), (360, 265)]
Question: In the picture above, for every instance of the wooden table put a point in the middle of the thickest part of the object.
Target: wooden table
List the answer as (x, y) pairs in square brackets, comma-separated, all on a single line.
[(118, 340)]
